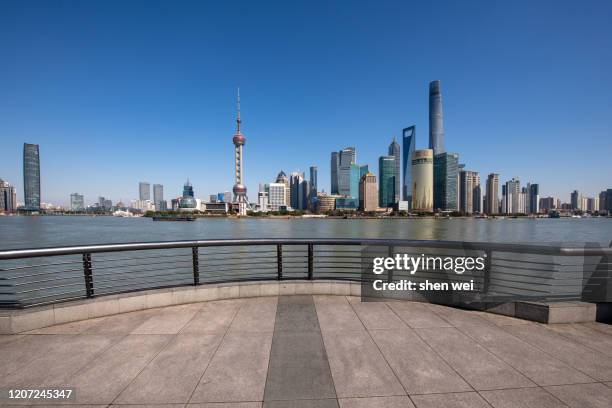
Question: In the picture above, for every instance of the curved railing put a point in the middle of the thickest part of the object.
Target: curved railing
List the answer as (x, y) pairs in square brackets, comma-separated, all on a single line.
[(48, 275)]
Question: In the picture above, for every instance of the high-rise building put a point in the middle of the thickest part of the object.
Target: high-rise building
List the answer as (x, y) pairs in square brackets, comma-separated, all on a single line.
[(347, 157), (335, 167), (394, 150), (77, 202), (609, 200), (276, 196), (533, 200), (365, 169), (446, 167), (368, 193), (240, 190), (422, 180), (8, 197), (144, 190), (436, 118), (262, 201), (158, 197), (511, 192), (492, 194), (386, 181), (408, 141), (576, 200), (470, 194), (548, 203), (299, 191), (282, 178), (31, 176), (326, 203), (314, 170), (212, 198)]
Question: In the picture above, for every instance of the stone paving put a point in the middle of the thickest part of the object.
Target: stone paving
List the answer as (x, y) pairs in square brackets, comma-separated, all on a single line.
[(315, 352)]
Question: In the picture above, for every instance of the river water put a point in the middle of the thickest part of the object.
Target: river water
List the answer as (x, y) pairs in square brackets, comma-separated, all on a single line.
[(45, 231)]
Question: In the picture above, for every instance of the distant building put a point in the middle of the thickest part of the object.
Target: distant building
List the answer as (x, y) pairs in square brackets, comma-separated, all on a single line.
[(187, 202), (436, 118), (335, 166), (77, 202), (575, 200), (276, 196), (282, 178), (144, 191), (158, 196), (533, 198), (394, 150), (212, 198), (422, 180), (326, 203), (312, 195), (346, 169), (8, 197), (347, 203), (143, 205), (299, 191), (31, 177), (408, 142), (386, 181), (511, 192), (368, 193), (363, 170), (225, 197), (548, 203), (609, 200), (492, 194), (446, 166), (603, 201), (262, 201), (470, 195)]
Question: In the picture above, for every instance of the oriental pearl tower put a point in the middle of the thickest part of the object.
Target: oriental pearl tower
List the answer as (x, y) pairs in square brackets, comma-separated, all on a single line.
[(240, 189)]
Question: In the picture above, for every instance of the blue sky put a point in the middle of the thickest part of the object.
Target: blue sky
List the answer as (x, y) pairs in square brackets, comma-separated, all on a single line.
[(118, 92)]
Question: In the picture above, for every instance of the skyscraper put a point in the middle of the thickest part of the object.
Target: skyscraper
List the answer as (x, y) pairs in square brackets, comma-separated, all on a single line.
[(314, 170), (240, 190), (408, 141), (158, 197), (77, 202), (394, 150), (335, 166), (282, 178), (386, 181), (276, 196), (144, 190), (8, 197), (347, 158), (368, 193), (511, 192), (31, 176), (470, 194), (436, 118), (299, 191), (422, 180), (534, 198), (575, 200), (492, 194), (446, 166)]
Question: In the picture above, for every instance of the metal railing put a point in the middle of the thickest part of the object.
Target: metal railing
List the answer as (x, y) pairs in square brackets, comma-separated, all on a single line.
[(31, 277)]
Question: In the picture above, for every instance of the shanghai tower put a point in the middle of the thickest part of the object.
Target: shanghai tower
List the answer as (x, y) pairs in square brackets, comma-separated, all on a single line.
[(436, 118)]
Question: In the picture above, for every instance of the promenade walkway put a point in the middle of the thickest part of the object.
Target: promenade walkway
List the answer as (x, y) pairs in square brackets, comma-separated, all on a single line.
[(315, 352)]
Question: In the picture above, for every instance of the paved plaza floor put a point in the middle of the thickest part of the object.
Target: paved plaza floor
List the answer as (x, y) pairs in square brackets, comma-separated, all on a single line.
[(314, 352)]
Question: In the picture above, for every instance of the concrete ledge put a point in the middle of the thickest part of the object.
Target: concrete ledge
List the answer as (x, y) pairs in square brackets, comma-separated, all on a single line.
[(18, 321), (556, 312)]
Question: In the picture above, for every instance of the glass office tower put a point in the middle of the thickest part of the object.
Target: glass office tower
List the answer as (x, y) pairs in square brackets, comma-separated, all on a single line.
[(446, 167), (394, 150), (408, 136), (386, 180), (436, 118), (31, 176)]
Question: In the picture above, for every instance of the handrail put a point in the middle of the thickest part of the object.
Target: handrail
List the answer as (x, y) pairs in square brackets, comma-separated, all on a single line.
[(137, 246)]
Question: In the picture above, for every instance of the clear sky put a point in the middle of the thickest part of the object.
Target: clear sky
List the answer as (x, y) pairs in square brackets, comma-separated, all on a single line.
[(117, 92)]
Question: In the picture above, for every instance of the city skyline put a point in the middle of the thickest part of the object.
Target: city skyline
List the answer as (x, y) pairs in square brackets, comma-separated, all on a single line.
[(103, 125)]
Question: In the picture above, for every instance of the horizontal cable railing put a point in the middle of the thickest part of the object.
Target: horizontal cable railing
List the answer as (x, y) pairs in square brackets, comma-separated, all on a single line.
[(31, 277)]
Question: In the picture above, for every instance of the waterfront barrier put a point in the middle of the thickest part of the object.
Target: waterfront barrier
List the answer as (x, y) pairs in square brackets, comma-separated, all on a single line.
[(40, 276)]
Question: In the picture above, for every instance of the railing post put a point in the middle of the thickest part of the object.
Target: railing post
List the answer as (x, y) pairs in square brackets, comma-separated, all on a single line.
[(196, 266), (390, 254), (87, 273), (279, 261), (310, 261), (486, 281)]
